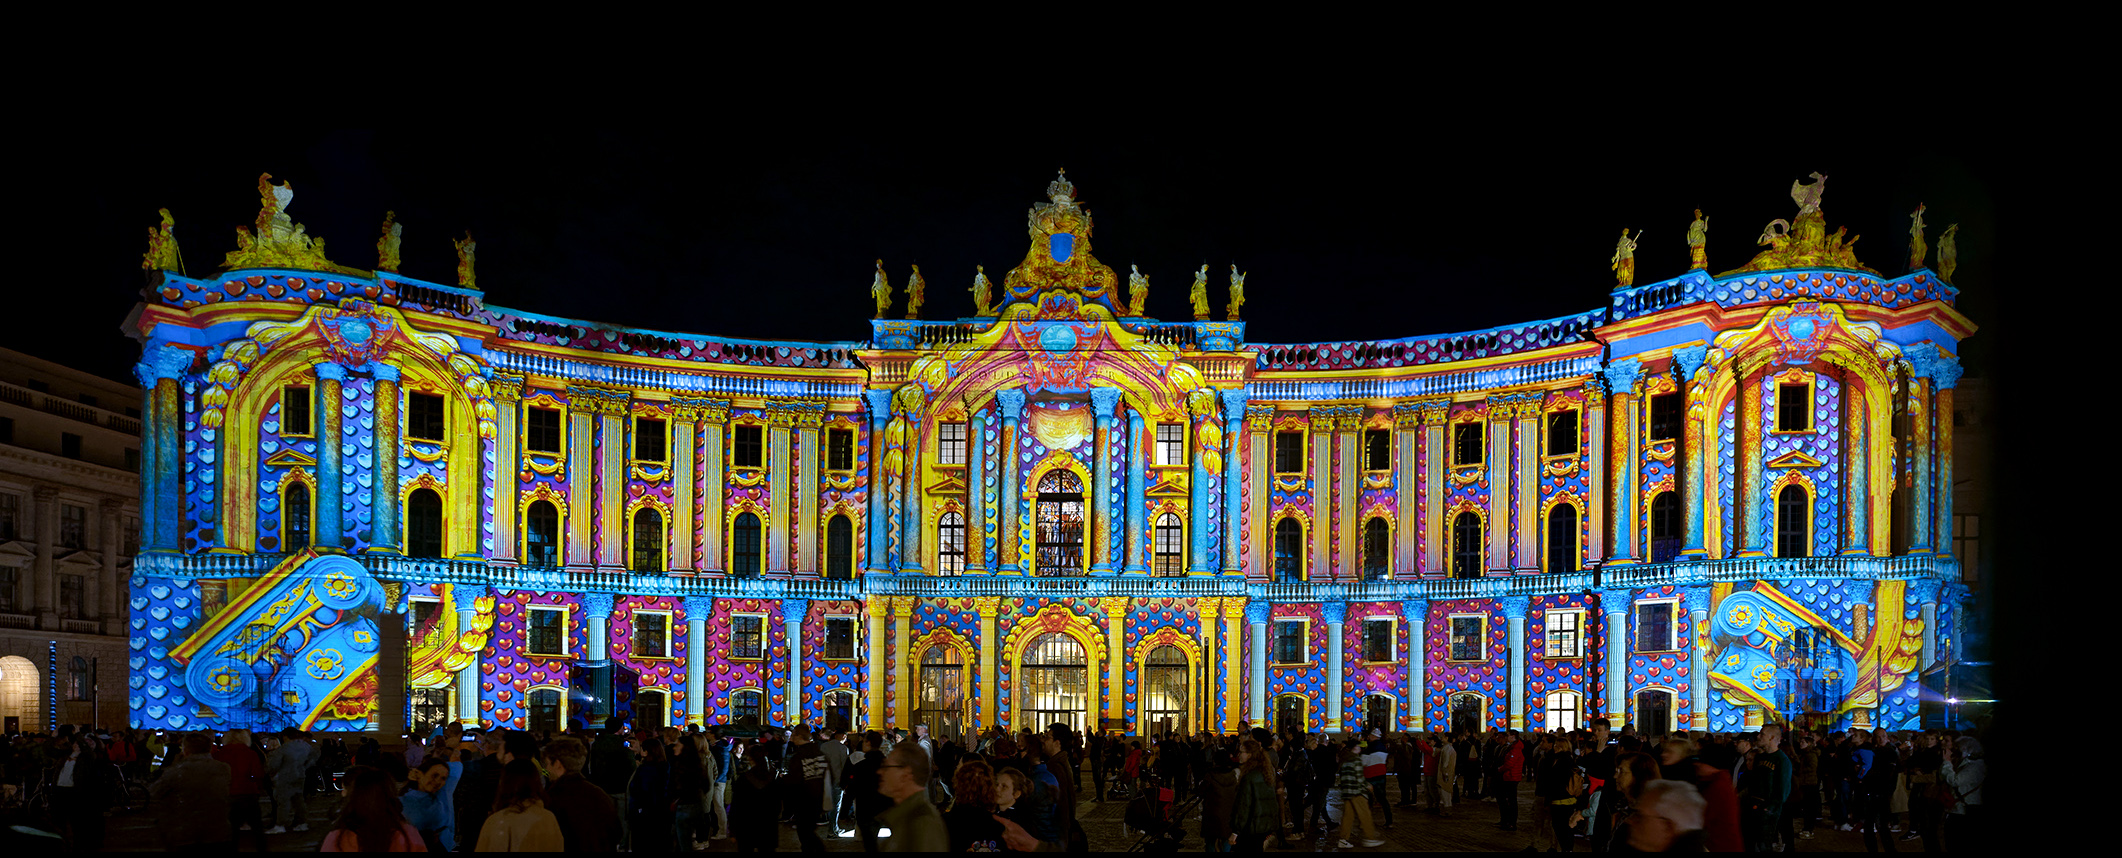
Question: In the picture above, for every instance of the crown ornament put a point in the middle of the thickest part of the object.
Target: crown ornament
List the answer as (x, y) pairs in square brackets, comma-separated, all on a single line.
[(1061, 191)]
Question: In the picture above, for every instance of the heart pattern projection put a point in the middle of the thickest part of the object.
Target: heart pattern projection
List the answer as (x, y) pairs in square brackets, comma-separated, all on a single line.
[(1823, 444), (1360, 681), (1666, 670), (1489, 677), (821, 675), (1309, 681), (666, 674), (270, 441), (162, 603), (958, 615), (1016, 609), (1581, 676), (1727, 467), (852, 499), (1144, 618), (509, 664), (725, 675)]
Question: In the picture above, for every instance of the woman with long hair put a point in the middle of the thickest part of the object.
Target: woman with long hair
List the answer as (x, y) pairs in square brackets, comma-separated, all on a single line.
[(1253, 817), (971, 820), (520, 822), (371, 820)]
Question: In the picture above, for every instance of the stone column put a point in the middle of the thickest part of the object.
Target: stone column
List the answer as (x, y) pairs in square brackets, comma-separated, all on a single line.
[(596, 617), (1336, 614), (903, 660), (1256, 614), (1435, 452), (1750, 496), (1407, 511), (1103, 400), (1856, 491), (1514, 608), (1943, 371), (977, 561), (880, 412), (876, 659), (1233, 481), (1615, 666), (44, 588), (1415, 613), (1204, 702), (779, 458), (1622, 378), (714, 483), (612, 454), (391, 645), (1200, 558), (1595, 476), (161, 372), (1696, 424), (99, 600), (1319, 567), (1260, 469), (809, 456), (1698, 657), (1010, 511), (1926, 593), (1138, 452), (792, 613), (910, 540), (1922, 454), (1501, 470), (330, 505), (1348, 477), (684, 510), (1527, 483), (468, 675), (1233, 649), (1116, 657), (989, 608), (582, 407), (697, 610), (383, 497)]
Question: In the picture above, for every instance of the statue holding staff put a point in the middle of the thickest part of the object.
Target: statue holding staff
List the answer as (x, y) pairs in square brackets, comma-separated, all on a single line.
[(881, 290), (1698, 243), (1624, 261), (1916, 248), (983, 292), (1199, 295)]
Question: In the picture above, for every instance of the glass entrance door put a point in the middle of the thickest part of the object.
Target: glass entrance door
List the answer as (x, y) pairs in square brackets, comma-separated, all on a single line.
[(942, 704), (1165, 677), (1056, 683)]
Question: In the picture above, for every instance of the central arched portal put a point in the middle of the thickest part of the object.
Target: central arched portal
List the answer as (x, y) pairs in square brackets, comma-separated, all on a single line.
[(1055, 683), (1166, 683), (942, 704)]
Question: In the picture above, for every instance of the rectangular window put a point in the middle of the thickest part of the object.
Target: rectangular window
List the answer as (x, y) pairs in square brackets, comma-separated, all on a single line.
[(1289, 642), (651, 635), (1170, 556), (1468, 638), (1794, 407), (294, 411), (7, 589), (70, 445), (72, 589), (10, 515), (1967, 542), (1562, 433), (1665, 412), (1654, 628), (1562, 711), (423, 417), (73, 527), (1377, 450), (130, 539), (749, 450), (1565, 634), (7, 430), (548, 631), (542, 430), (950, 443), (423, 624), (132, 459), (1171, 444), (1466, 444), (1378, 640), (747, 636), (1289, 452), (839, 449), (840, 637), (650, 440)]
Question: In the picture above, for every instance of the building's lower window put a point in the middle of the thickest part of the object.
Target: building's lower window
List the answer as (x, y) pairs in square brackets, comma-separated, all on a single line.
[(839, 637), (1563, 711), (1289, 551), (73, 527), (950, 544), (1289, 642), (1378, 640), (744, 546), (1654, 628), (545, 711), (1565, 636), (423, 524), (80, 683), (1467, 638), (1377, 550), (548, 631), (744, 708), (652, 635), (747, 636), (1466, 545), (541, 535), (648, 540), (72, 596), (1171, 550)]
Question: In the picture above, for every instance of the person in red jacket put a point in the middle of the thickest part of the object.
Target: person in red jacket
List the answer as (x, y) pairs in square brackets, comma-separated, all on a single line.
[(1720, 817), (1511, 771), (246, 783)]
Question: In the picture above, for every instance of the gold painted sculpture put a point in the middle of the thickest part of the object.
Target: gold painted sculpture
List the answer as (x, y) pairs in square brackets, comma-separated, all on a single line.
[(1060, 276), (466, 249), (162, 252), (1624, 261), (983, 292), (1237, 294), (278, 242), (1804, 243), (1948, 252), (880, 289), (1199, 295), (1808, 196), (1137, 290), (916, 291), (387, 244), (1698, 243), (1916, 248)]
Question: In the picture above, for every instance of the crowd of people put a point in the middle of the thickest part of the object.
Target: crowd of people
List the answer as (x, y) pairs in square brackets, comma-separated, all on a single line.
[(665, 789)]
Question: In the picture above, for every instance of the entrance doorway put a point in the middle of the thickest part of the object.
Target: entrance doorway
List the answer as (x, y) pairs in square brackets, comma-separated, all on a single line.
[(1290, 714), (942, 703), (840, 710), (1469, 712), (1654, 712), (1056, 683), (1378, 713), (1165, 676)]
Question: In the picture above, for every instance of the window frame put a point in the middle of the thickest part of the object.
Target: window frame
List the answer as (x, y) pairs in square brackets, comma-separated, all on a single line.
[(854, 630), (1384, 568), (1392, 639), (758, 541), (1547, 634), (758, 696), (1576, 434), (738, 446), (633, 540), (835, 438), (11, 502), (558, 536), (1678, 411), (949, 561), (73, 527), (405, 535), (766, 636), (1297, 557), (1304, 639), (1575, 712), (1672, 604), (1177, 552), (441, 412), (1576, 541), (829, 553), (1451, 638), (953, 452), (80, 680), (1479, 445), (309, 538), (1807, 412), (1452, 544), (1804, 536), (669, 645), (76, 586), (309, 409), (662, 436), (530, 625), (559, 431), (1371, 449), (1164, 446), (1303, 442)]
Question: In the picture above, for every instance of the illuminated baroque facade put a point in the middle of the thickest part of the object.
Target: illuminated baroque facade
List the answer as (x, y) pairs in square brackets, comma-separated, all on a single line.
[(1713, 501)]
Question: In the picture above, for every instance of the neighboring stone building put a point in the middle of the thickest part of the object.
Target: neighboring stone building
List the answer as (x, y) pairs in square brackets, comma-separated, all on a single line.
[(69, 527)]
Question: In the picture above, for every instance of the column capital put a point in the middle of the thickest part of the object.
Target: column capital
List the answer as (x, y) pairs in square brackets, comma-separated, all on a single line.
[(1335, 613), (1261, 418), (384, 372), (1697, 599), (1616, 601), (793, 610), (1116, 607), (162, 360), (1691, 360), (988, 606), (1206, 607), (880, 404), (1103, 400), (698, 608), (1010, 401), (1234, 402), (506, 387), (111, 506), (1235, 608), (880, 607), (686, 410), (1927, 360), (903, 606), (597, 605), (1622, 375), (336, 371), (1415, 610), (1515, 607), (795, 412), (1257, 612), (1594, 393), (1925, 590)]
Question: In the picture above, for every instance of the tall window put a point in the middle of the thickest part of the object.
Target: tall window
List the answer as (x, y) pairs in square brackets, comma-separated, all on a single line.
[(649, 708), (651, 635), (950, 443), (1468, 638), (1654, 628), (839, 637), (1289, 551), (78, 683), (1378, 640), (1167, 679), (1665, 414), (1564, 709), (744, 708), (1056, 681), (1377, 450), (73, 527), (1792, 510), (73, 591), (1060, 524), (548, 631), (648, 540), (1289, 452), (1967, 543), (749, 447), (1377, 550), (1665, 527), (840, 709), (1466, 444), (1565, 634), (545, 710), (1171, 553), (1171, 444), (423, 417), (541, 430), (70, 445), (541, 534), (129, 539), (1562, 538), (1289, 642), (294, 411), (744, 546), (1794, 407), (839, 449), (650, 440), (747, 636), (8, 589), (839, 548), (10, 515), (950, 544), (294, 517), (1562, 433), (1466, 545), (423, 524), (941, 704)]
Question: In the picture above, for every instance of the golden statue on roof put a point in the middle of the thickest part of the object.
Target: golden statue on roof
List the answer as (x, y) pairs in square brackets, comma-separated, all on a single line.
[(1804, 243), (278, 241), (1237, 293), (162, 252), (880, 289), (1624, 259), (1948, 252), (1137, 290), (1059, 277), (466, 251), (983, 292), (387, 244), (1917, 250), (916, 292), (1698, 243), (1199, 295)]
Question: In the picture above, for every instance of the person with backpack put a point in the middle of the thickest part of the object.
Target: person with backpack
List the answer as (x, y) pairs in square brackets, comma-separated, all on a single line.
[(1961, 773)]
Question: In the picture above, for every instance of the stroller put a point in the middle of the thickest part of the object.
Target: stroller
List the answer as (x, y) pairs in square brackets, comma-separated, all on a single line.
[(1152, 813)]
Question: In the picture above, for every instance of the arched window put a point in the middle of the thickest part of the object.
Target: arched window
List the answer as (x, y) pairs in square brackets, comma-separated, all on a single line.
[(840, 709), (744, 546), (651, 708), (294, 517), (77, 679), (1564, 711), (1792, 510), (744, 707), (1289, 551), (1060, 524), (648, 540), (1466, 545), (1665, 527), (1378, 713), (839, 548), (1562, 538), (950, 544), (423, 524), (1291, 715), (1166, 675), (1171, 546), (541, 535), (1056, 677), (545, 714), (942, 688), (21, 692), (1377, 550)]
